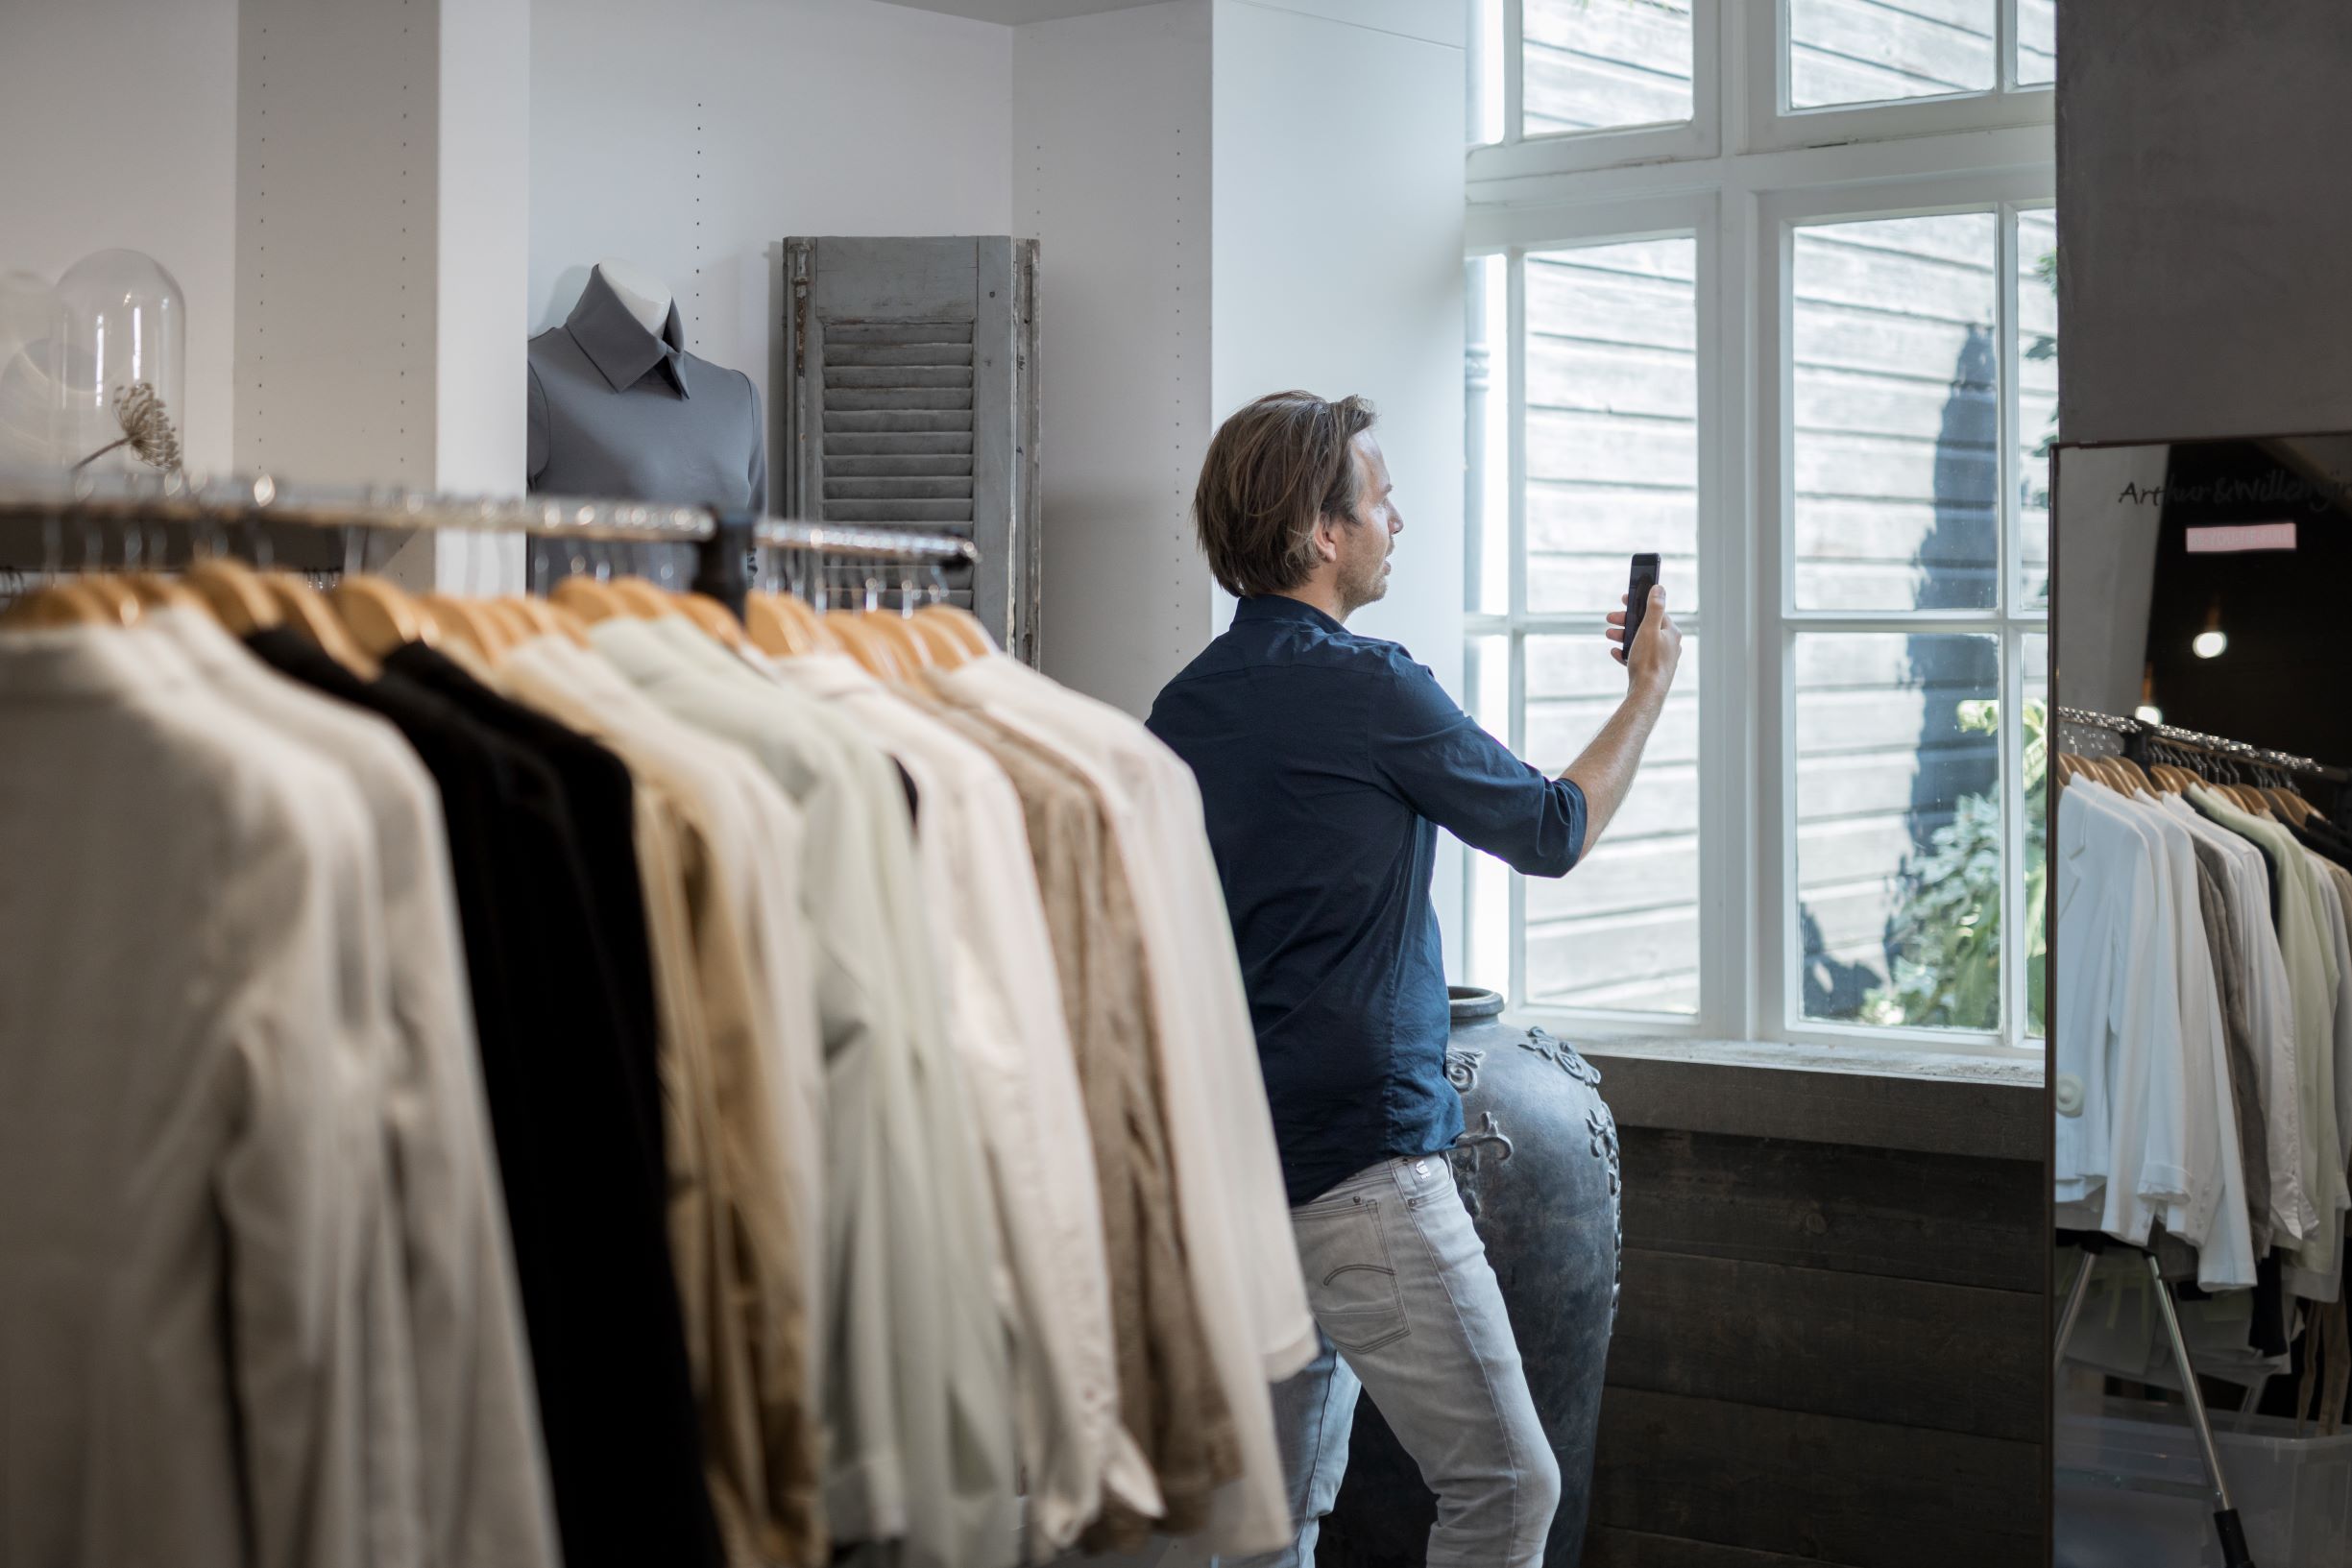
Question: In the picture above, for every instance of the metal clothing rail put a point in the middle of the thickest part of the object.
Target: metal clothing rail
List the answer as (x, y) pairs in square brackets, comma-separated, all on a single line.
[(130, 498), (726, 545), (2216, 746)]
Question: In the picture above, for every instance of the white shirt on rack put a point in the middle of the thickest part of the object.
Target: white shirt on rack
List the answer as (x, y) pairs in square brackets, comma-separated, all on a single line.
[(2269, 1018), (2214, 1217), (2128, 1045), (2314, 973), (1005, 1012), (1229, 1191), (192, 1197), (484, 1482), (922, 1413), (2325, 1282)]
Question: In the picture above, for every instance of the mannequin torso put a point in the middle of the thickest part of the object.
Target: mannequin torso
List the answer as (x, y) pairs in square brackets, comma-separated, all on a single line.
[(646, 296)]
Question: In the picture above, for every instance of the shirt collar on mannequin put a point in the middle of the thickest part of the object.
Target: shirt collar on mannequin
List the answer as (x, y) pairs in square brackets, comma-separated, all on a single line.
[(620, 349)]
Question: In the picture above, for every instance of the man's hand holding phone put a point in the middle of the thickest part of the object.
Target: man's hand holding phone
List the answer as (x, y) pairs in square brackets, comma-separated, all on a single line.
[(1657, 642)]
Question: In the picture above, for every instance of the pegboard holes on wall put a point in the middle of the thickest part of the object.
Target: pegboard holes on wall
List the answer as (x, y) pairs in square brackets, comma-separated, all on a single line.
[(697, 311), (1182, 633), (336, 183)]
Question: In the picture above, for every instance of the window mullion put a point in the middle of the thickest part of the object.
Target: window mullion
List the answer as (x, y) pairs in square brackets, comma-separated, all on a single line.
[(2004, 42), (2012, 734), (1519, 883), (1514, 352), (2012, 711), (1515, 71), (1773, 848)]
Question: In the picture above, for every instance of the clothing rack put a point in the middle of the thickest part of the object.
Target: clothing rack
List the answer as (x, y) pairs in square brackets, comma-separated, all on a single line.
[(2139, 737), (726, 544), (2144, 743)]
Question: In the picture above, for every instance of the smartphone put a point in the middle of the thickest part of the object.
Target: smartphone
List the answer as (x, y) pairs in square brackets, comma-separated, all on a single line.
[(1637, 599)]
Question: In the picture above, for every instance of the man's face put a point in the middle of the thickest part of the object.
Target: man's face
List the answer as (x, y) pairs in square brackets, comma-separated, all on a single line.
[(1366, 541)]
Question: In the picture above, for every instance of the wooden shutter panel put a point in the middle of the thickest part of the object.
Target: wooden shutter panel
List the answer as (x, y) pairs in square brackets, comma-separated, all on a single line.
[(910, 402)]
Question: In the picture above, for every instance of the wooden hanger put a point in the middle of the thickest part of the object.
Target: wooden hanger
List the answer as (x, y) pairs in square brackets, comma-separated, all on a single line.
[(235, 594), (568, 624), (57, 604), (305, 609), (547, 620), (381, 617), (773, 632), (471, 622), (2290, 805), (590, 600), (866, 645), (160, 593), (962, 624), (947, 649), (121, 604), (913, 653), (2134, 779), (813, 624), (711, 617), (645, 598), (519, 628)]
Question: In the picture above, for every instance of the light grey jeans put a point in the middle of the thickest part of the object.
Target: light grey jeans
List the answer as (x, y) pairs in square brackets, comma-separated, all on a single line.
[(1409, 1312)]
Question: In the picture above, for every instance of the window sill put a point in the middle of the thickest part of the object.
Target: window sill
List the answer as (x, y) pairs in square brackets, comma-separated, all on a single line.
[(1928, 1101)]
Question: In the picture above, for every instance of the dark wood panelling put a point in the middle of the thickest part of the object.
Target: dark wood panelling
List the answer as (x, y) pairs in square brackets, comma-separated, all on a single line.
[(1893, 1212), (1860, 1494), (1950, 1358), (1700, 1087), (1608, 1548)]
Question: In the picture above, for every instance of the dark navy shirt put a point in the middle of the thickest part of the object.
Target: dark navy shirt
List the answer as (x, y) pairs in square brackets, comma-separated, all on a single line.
[(1327, 761)]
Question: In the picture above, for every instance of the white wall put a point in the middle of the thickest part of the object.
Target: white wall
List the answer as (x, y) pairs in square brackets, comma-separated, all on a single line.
[(1337, 249), (691, 138), (1111, 170), (120, 118)]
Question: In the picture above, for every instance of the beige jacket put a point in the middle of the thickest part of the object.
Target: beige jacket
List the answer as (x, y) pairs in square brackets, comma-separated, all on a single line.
[(1168, 1395)]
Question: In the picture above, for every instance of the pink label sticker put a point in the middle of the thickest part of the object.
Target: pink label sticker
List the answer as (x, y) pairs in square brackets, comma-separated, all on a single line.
[(2226, 539)]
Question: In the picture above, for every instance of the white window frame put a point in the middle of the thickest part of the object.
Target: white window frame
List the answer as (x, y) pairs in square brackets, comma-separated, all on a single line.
[(1773, 124), (1743, 206), (1699, 136)]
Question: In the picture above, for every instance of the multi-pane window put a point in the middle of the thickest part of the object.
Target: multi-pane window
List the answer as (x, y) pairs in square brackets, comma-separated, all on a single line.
[(1830, 414), (1903, 616)]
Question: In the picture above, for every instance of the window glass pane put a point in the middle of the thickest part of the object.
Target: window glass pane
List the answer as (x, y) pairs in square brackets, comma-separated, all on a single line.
[(2037, 42), (1899, 831), (1603, 65), (1612, 440), (1486, 957), (1487, 386), (1621, 931), (2037, 392), (1869, 51), (1897, 475), (2035, 756)]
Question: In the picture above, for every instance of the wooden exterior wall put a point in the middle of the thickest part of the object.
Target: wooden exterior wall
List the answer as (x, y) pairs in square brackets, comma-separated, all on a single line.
[(1831, 1343)]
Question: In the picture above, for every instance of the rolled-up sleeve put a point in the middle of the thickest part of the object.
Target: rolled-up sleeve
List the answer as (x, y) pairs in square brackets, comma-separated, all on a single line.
[(1422, 744)]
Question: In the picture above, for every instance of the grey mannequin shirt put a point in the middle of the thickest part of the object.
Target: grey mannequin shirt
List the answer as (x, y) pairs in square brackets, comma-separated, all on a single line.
[(618, 411)]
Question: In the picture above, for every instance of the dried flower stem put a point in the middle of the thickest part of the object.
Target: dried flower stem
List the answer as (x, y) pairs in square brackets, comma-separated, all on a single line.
[(147, 429)]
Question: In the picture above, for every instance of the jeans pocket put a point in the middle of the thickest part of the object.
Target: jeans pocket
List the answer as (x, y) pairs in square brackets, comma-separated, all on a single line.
[(1352, 1283)]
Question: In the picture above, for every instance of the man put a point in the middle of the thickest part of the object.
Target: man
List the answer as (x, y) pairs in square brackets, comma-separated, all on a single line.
[(1327, 761)]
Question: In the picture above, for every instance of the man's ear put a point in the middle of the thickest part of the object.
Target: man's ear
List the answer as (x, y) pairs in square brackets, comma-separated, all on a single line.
[(1327, 537)]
